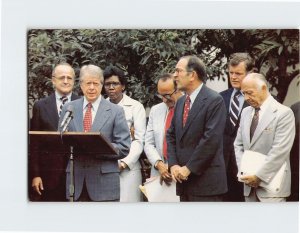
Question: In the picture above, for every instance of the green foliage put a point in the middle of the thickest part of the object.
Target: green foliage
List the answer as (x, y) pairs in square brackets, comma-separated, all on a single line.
[(145, 54)]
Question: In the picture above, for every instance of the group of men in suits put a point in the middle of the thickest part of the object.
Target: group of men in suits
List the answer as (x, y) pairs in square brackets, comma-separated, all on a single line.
[(195, 137)]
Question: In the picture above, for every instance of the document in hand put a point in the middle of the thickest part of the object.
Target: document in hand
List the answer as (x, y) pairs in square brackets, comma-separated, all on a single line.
[(156, 192), (252, 161)]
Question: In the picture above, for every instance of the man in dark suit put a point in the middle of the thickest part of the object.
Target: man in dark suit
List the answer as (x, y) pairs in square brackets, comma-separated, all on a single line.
[(195, 146), (47, 169), (294, 157), (96, 177), (239, 65)]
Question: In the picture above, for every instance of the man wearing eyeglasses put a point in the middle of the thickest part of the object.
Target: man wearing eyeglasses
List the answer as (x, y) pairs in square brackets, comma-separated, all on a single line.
[(159, 121), (195, 137), (47, 170)]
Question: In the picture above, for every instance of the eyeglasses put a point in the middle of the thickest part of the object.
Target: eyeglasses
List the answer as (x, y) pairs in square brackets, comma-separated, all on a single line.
[(166, 96), (95, 84), (177, 70), (62, 78), (113, 84)]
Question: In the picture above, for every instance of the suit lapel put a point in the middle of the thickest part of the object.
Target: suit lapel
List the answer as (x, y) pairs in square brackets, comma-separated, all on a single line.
[(51, 110), (78, 116), (264, 122), (197, 108), (102, 115)]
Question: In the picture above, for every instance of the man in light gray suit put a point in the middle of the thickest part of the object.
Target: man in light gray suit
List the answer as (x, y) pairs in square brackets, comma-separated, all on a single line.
[(266, 127), (155, 134), (97, 178)]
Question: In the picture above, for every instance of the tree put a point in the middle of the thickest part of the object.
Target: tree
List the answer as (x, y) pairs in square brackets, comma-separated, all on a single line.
[(145, 54)]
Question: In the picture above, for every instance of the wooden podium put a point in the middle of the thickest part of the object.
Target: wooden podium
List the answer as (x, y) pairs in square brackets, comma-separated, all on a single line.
[(72, 144)]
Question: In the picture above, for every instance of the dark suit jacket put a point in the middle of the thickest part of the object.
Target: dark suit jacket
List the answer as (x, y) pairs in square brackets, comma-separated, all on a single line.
[(199, 144), (99, 172), (46, 164), (229, 134)]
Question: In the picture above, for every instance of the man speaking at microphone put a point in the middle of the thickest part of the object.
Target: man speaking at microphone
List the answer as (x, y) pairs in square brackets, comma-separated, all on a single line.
[(47, 168), (95, 178)]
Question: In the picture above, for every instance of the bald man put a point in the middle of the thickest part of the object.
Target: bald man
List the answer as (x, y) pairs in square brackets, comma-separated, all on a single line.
[(266, 127)]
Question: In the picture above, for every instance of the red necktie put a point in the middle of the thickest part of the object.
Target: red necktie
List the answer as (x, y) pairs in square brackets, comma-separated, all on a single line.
[(186, 109), (167, 126), (87, 120)]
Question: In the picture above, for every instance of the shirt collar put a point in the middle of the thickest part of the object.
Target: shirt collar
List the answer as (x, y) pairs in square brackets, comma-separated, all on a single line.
[(95, 104), (265, 104), (58, 96), (195, 93)]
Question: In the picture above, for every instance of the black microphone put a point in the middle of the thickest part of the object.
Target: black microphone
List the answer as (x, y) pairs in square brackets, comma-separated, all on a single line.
[(68, 116)]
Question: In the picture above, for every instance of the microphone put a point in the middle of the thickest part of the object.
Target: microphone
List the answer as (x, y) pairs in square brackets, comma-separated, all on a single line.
[(68, 116)]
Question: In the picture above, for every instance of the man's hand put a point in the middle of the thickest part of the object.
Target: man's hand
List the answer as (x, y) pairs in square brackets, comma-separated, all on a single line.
[(180, 173), (252, 181), (164, 173), (37, 185), (184, 172)]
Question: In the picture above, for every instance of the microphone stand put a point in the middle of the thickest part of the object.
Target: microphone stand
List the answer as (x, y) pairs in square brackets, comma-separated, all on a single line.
[(71, 160)]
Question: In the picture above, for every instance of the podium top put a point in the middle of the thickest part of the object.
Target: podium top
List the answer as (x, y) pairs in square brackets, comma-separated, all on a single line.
[(83, 142)]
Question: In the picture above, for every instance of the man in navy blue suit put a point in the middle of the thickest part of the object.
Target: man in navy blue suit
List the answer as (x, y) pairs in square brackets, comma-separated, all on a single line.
[(240, 64), (195, 148), (47, 168)]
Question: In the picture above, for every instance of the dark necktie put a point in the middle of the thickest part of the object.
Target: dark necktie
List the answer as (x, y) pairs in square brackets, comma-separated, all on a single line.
[(167, 126), (87, 120), (234, 109), (254, 122), (63, 99), (186, 109)]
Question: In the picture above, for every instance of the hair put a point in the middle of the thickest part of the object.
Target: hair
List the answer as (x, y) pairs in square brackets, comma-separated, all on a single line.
[(92, 70), (260, 80), (196, 64), (113, 70), (167, 76), (62, 64), (237, 58)]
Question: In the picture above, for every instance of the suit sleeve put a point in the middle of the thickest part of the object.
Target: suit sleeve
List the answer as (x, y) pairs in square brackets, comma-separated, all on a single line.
[(137, 145), (282, 144), (211, 142), (121, 135), (150, 148), (171, 140), (34, 147), (238, 142)]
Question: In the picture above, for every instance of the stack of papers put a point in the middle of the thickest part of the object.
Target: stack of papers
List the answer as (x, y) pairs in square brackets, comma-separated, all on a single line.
[(252, 161), (155, 192)]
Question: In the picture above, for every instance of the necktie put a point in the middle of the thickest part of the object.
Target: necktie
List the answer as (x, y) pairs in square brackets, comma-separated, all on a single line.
[(254, 122), (167, 126), (63, 99), (186, 109), (234, 109), (87, 120)]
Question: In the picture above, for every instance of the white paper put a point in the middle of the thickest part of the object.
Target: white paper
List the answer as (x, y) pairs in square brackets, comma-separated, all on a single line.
[(252, 161), (156, 192)]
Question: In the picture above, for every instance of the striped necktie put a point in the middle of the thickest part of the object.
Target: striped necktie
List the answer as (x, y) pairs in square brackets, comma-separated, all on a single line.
[(64, 100), (234, 109)]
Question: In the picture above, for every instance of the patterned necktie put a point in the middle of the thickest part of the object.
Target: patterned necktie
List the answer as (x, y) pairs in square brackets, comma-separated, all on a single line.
[(167, 126), (186, 109), (64, 100), (87, 120), (254, 122), (234, 109)]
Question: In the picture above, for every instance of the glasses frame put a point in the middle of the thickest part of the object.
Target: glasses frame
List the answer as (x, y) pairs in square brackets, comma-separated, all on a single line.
[(113, 84), (166, 96)]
